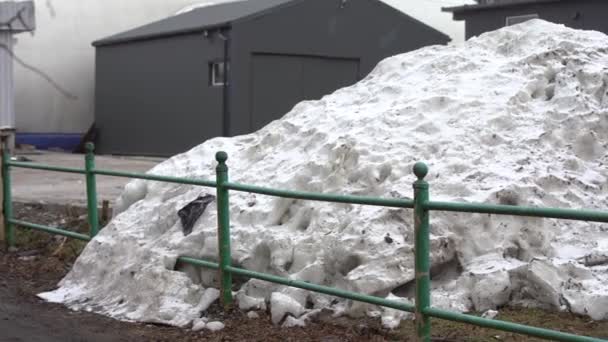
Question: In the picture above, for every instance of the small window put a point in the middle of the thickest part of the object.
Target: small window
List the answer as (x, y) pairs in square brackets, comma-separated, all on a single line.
[(217, 72), (517, 19)]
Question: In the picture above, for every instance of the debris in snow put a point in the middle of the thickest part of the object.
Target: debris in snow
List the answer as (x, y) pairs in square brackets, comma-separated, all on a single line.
[(514, 116), (253, 315), (594, 259), (490, 314), (214, 326), (192, 211), (388, 238)]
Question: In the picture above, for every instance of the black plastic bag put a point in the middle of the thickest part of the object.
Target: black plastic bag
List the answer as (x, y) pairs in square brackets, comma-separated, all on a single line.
[(192, 211)]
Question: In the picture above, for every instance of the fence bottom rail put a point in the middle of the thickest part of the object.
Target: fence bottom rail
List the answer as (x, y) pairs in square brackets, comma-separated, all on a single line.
[(303, 285), (507, 326), (50, 230)]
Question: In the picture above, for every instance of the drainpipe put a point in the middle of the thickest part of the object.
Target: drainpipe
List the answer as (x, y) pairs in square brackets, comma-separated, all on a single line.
[(225, 36)]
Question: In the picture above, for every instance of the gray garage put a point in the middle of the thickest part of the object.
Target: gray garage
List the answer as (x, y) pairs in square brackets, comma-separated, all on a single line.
[(488, 15), (231, 68)]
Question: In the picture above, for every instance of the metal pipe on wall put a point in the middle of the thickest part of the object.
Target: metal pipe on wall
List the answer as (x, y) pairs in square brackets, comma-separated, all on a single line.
[(225, 35)]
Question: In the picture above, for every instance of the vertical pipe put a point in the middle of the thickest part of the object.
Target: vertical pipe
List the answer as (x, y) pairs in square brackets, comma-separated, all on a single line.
[(225, 35), (89, 165), (223, 225), (8, 201), (422, 258), (7, 84)]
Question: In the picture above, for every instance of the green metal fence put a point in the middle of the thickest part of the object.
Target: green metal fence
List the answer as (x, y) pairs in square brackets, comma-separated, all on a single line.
[(421, 206)]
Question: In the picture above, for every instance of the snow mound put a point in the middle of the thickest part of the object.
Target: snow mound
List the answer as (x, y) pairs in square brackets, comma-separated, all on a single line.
[(515, 116)]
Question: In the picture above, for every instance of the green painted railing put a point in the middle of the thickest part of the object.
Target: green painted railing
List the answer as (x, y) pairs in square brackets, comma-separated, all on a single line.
[(421, 206)]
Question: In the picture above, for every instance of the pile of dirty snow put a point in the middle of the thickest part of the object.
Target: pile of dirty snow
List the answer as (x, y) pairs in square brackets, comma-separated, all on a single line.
[(515, 116)]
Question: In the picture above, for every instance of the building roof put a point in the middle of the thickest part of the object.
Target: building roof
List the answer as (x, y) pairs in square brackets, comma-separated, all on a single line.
[(497, 4), (197, 20)]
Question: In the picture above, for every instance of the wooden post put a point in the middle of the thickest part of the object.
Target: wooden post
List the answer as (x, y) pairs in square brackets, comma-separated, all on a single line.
[(105, 212)]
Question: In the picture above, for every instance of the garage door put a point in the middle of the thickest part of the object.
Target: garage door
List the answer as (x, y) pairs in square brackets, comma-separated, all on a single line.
[(281, 81)]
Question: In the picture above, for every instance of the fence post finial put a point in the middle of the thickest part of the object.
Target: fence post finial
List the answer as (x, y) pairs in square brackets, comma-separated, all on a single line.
[(89, 147), (221, 158), (421, 170)]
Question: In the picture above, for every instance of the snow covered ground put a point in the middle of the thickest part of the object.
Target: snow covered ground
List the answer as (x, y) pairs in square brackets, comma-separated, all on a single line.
[(515, 116)]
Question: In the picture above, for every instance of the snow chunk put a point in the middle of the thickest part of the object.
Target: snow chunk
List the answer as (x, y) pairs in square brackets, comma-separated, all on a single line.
[(199, 324), (214, 326), (209, 296), (291, 322), (247, 303), (281, 305), (490, 314), (391, 317), (253, 315)]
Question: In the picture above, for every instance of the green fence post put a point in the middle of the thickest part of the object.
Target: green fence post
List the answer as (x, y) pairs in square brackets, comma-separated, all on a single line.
[(223, 226), (89, 165), (422, 259), (7, 197)]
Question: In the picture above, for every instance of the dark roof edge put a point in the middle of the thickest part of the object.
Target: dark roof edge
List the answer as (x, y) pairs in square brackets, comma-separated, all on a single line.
[(109, 41), (478, 7), (403, 14)]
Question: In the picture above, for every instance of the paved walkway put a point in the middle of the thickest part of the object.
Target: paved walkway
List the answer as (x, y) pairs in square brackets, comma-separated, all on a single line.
[(39, 186)]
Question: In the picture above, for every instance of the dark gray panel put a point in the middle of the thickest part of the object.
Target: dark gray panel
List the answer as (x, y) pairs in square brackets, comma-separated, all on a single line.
[(281, 81), (276, 84), (364, 30), (322, 76), (153, 97)]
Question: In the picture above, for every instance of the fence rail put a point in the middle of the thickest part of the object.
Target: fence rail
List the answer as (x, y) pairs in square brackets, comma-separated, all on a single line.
[(421, 206)]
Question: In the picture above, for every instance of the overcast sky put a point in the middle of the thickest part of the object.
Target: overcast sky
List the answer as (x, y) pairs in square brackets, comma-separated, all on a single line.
[(429, 11)]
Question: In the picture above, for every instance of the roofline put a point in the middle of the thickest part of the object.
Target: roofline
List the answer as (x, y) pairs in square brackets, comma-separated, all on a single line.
[(108, 41), (481, 7), (117, 41)]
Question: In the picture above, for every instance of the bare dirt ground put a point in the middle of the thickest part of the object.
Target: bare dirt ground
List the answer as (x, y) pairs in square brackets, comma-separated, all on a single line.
[(41, 260)]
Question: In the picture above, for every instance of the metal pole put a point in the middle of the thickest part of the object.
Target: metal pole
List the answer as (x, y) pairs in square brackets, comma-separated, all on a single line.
[(223, 225), (7, 204), (422, 258), (7, 84), (89, 165)]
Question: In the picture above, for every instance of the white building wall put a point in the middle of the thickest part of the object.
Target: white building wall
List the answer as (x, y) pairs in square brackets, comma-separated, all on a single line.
[(61, 48)]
